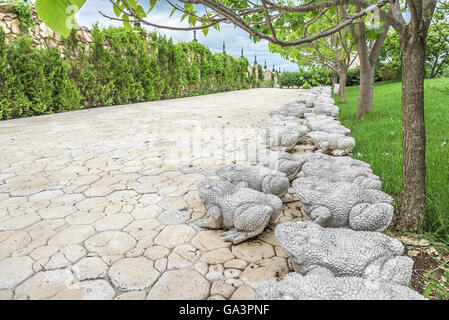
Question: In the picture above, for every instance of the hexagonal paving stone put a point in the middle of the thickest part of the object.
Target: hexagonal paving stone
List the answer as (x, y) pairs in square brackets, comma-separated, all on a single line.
[(44, 285), (182, 284), (174, 235), (72, 235), (56, 212), (133, 273), (19, 222), (216, 256), (132, 295), (209, 240), (90, 268), (264, 270), (253, 251), (109, 243), (113, 222), (14, 270)]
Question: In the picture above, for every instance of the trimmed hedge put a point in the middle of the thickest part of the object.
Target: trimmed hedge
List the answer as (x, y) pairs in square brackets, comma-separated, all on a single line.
[(120, 66), (34, 81), (306, 79), (320, 77)]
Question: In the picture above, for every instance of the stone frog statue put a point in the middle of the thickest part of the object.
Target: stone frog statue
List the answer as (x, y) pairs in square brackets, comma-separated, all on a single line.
[(297, 287), (326, 124), (255, 177), (245, 212), (306, 99), (292, 109), (277, 160), (326, 109), (344, 204), (335, 143), (341, 169), (339, 252), (294, 127), (279, 119), (281, 138)]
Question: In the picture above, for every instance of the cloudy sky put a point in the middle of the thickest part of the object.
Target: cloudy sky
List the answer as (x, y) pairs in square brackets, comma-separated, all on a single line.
[(234, 38)]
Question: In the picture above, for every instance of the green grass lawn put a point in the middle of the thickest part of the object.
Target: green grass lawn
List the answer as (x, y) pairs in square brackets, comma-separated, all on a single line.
[(378, 138)]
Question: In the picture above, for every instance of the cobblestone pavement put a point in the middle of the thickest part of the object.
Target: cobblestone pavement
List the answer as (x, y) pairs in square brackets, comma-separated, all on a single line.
[(101, 203)]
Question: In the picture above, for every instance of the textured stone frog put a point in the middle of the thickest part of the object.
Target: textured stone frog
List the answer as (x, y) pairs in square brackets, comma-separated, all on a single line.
[(344, 204), (341, 169), (255, 177), (245, 212), (282, 138), (325, 108), (307, 99), (297, 287), (296, 127), (340, 252), (321, 90), (293, 109), (325, 124), (281, 119), (277, 160), (337, 144)]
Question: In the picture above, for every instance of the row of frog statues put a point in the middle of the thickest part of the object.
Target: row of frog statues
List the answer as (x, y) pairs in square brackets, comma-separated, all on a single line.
[(342, 252)]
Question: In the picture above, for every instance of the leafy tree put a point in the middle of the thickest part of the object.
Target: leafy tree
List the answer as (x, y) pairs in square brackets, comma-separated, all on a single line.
[(263, 19), (437, 50), (259, 72), (370, 39), (390, 60), (335, 52), (437, 47)]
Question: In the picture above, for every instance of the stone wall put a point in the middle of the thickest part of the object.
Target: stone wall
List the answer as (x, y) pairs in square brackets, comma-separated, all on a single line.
[(41, 35)]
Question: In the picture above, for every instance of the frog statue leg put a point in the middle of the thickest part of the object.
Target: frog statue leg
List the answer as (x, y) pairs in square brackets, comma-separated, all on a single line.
[(249, 221), (398, 269), (213, 219), (320, 215), (241, 184), (321, 271)]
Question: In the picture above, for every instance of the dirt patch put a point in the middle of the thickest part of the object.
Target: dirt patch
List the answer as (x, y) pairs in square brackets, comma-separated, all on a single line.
[(430, 275), (423, 263)]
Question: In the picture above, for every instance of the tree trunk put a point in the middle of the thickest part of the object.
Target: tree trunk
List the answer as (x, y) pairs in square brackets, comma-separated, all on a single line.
[(434, 66), (441, 64), (368, 58), (342, 89), (334, 81), (365, 103), (413, 203)]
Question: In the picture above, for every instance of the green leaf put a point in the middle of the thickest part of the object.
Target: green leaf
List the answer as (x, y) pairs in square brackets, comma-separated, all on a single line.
[(59, 15), (126, 23), (205, 31), (188, 6), (152, 4), (173, 11), (116, 10), (140, 11), (192, 20)]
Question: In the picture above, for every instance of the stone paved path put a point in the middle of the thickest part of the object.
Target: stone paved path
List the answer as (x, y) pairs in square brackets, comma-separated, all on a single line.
[(100, 204)]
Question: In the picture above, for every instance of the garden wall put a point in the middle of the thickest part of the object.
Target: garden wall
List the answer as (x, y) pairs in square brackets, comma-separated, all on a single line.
[(17, 20)]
